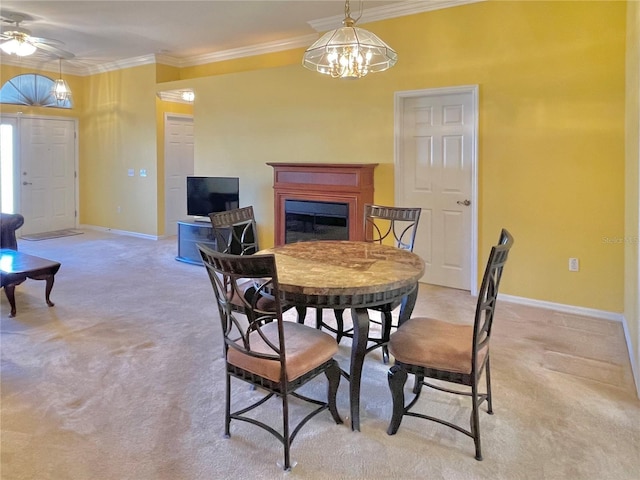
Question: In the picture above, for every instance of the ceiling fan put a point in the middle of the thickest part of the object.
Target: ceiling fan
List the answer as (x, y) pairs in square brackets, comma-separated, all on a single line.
[(17, 40)]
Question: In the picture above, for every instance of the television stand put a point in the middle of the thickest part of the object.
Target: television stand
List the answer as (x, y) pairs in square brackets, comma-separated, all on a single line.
[(191, 233)]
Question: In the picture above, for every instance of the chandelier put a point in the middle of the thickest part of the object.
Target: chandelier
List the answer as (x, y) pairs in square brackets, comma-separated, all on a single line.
[(349, 51), (61, 90)]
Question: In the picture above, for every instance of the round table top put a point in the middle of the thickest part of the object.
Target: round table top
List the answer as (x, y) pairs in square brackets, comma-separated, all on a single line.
[(346, 269)]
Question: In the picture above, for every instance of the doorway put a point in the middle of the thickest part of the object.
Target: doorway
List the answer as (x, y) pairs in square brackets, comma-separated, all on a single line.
[(436, 165), (178, 164), (40, 154)]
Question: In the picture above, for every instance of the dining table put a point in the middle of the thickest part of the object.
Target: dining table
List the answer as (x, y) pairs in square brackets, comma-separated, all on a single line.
[(348, 275)]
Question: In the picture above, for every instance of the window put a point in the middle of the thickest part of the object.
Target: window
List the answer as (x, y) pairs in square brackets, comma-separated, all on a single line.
[(31, 89)]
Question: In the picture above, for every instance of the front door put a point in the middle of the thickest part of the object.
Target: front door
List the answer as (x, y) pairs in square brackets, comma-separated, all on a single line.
[(178, 164), (436, 171), (47, 174)]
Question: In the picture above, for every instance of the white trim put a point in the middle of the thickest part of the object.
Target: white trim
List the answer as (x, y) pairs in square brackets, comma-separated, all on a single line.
[(634, 368), (385, 12), (121, 232), (74, 67), (249, 51), (473, 90), (561, 307)]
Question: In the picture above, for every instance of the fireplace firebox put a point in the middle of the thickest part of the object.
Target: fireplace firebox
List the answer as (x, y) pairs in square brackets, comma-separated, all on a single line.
[(306, 220), (321, 201)]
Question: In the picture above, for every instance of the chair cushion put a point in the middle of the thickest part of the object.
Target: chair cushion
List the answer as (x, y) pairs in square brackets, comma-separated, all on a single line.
[(435, 344), (305, 349)]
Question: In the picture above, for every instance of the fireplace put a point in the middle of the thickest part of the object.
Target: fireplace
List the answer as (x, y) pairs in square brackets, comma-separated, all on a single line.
[(308, 220), (320, 201)]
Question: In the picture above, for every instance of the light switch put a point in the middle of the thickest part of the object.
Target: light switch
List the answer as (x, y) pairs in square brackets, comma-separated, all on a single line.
[(131, 172), (143, 172)]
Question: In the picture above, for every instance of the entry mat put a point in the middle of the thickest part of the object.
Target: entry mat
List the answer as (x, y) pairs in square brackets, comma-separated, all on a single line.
[(47, 235)]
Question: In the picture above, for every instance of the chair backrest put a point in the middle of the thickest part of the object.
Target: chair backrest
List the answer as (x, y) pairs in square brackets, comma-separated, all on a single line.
[(227, 272), (399, 223), (9, 223), (235, 231), (488, 294)]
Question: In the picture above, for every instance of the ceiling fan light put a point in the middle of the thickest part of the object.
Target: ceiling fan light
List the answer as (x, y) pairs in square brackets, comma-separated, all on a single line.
[(18, 47)]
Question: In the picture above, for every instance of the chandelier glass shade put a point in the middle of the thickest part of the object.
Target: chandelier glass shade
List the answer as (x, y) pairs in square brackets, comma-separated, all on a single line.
[(61, 88), (349, 52), (18, 47)]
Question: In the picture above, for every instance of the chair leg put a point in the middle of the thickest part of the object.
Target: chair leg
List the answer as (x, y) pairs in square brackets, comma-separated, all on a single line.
[(488, 378), (286, 440), (387, 319), (339, 314), (333, 375), (227, 407), (319, 318), (475, 421), (417, 385), (302, 313), (396, 377)]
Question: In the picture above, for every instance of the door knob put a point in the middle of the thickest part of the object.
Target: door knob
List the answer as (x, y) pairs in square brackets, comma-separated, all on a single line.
[(466, 203), (27, 183)]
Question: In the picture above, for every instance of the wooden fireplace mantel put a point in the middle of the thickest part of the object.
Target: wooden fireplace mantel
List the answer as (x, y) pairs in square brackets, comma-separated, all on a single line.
[(350, 183)]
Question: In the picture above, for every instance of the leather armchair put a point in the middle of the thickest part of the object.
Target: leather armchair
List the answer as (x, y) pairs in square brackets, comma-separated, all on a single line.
[(9, 223)]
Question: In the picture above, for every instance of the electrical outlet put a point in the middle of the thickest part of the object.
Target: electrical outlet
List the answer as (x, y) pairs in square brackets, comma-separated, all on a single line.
[(574, 265)]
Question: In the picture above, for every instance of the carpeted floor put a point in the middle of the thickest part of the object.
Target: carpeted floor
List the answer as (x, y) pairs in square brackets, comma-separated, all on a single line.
[(122, 379)]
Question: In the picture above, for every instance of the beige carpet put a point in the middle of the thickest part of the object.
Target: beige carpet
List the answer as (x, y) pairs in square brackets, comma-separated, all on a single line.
[(122, 379)]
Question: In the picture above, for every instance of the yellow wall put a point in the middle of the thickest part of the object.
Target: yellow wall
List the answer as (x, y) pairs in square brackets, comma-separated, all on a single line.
[(632, 186), (551, 78), (118, 133), (551, 147)]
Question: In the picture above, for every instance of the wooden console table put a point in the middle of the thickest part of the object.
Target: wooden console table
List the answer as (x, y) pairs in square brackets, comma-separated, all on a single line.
[(349, 183), (16, 267)]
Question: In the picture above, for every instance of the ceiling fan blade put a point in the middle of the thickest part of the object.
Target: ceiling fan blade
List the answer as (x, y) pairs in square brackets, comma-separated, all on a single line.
[(53, 51), (48, 41)]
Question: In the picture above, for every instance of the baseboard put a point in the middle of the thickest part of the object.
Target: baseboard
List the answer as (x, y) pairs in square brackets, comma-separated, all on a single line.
[(632, 356), (561, 307), (121, 232)]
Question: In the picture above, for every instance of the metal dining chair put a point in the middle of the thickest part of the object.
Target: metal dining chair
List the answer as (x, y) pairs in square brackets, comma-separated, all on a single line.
[(382, 224), (449, 352), (275, 356)]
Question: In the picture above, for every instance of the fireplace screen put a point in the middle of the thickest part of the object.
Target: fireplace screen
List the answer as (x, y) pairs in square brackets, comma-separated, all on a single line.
[(308, 220)]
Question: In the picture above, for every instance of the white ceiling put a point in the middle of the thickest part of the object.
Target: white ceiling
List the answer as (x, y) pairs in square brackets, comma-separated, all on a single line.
[(102, 34)]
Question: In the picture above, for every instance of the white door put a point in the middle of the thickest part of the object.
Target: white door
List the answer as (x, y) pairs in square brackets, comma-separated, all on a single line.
[(47, 174), (178, 164), (436, 160)]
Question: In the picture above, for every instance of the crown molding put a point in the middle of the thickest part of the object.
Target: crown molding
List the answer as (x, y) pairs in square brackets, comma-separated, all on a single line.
[(75, 66), (386, 12), (260, 49)]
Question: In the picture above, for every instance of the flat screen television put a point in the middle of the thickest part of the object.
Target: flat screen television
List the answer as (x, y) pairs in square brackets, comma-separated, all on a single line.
[(206, 195)]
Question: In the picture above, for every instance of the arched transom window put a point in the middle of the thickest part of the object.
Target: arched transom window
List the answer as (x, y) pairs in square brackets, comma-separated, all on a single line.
[(31, 89)]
